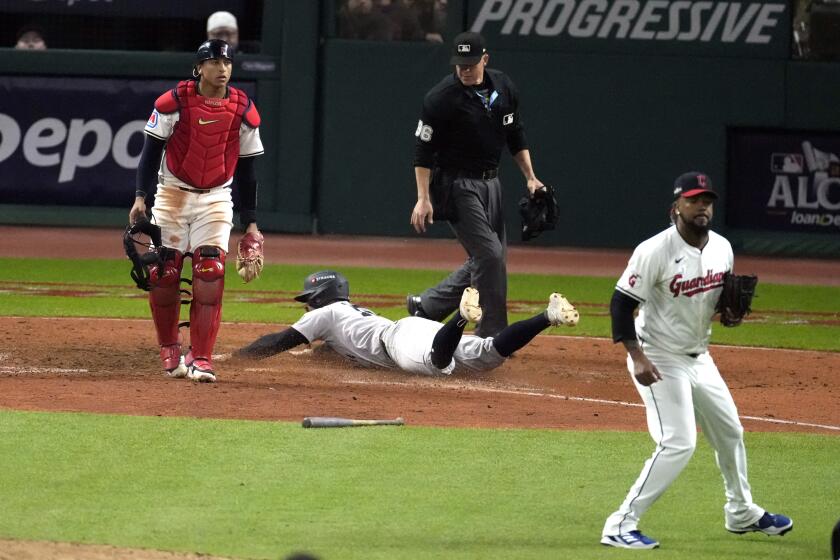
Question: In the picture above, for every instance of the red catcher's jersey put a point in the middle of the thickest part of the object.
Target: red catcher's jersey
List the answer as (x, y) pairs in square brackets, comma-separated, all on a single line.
[(204, 147)]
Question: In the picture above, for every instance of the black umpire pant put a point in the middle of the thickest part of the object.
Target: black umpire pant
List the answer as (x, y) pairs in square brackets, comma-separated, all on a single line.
[(480, 227)]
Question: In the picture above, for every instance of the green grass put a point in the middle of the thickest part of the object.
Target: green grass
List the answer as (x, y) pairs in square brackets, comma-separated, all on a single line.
[(784, 316), (262, 490)]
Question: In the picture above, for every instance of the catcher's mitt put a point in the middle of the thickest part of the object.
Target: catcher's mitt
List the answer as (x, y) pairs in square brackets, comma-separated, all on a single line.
[(249, 256), (538, 212), (736, 298), (140, 263)]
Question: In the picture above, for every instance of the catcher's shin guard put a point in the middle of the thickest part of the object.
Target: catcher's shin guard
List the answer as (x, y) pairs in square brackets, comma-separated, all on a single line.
[(165, 296), (206, 306)]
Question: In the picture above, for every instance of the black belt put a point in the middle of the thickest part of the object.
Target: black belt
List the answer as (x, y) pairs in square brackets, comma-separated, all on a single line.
[(199, 191), (485, 175)]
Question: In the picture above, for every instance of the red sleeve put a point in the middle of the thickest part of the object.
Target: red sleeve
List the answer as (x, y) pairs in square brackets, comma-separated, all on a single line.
[(251, 116), (167, 103)]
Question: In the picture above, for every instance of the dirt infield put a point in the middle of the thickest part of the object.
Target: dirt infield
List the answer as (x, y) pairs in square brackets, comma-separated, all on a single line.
[(556, 382), (41, 550), (111, 366)]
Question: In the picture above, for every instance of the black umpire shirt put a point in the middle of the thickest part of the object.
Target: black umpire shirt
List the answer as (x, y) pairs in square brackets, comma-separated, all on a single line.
[(460, 129)]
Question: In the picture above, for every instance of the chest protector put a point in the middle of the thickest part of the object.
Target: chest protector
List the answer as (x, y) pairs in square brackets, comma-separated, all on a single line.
[(204, 146)]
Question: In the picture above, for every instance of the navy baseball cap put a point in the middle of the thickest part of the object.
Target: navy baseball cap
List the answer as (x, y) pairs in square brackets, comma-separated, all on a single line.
[(467, 49), (693, 183)]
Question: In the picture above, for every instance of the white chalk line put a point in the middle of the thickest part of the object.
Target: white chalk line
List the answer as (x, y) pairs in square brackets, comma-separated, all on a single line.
[(522, 392), (556, 336), (16, 370), (532, 393)]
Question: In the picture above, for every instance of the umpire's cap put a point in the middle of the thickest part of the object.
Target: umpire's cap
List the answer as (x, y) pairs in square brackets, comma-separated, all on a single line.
[(693, 183), (213, 48), (324, 287), (467, 49)]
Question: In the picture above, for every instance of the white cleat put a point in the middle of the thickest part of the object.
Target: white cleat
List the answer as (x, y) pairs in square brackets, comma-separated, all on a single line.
[(561, 312), (201, 370), (469, 307), (632, 540), (179, 372)]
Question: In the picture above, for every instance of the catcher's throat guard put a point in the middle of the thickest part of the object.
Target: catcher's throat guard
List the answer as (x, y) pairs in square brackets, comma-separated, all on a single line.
[(140, 263)]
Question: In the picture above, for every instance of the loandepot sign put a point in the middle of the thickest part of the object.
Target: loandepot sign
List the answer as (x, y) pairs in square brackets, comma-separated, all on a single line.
[(655, 21)]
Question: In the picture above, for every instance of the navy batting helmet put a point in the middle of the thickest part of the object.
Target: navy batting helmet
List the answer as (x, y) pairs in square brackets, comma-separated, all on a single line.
[(324, 287), (213, 48)]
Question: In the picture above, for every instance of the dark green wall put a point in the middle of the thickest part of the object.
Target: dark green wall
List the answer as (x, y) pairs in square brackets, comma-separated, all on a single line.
[(368, 116), (609, 131)]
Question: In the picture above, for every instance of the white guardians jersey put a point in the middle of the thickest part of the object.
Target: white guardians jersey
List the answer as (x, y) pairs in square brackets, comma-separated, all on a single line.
[(678, 287)]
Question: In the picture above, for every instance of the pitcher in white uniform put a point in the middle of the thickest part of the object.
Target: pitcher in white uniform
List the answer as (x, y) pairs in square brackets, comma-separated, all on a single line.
[(413, 344), (675, 279)]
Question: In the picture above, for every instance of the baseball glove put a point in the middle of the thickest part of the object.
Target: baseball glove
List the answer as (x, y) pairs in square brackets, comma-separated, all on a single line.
[(538, 212), (249, 256), (736, 298)]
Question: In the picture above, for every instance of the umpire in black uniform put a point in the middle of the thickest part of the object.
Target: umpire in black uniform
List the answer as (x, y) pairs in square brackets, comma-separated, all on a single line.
[(466, 121)]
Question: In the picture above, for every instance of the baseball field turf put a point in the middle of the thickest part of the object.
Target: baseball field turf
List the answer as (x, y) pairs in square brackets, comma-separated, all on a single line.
[(784, 316), (246, 489)]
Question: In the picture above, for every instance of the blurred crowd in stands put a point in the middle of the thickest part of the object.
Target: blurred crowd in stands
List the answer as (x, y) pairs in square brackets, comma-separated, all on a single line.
[(370, 20), (31, 37), (38, 31), (392, 20), (815, 27)]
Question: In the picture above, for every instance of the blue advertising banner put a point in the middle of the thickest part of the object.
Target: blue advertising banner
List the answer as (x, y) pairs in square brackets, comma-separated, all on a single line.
[(784, 180), (74, 141), (659, 27)]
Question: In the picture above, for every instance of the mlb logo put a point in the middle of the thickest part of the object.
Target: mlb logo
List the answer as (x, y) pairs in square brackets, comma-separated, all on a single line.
[(507, 119), (153, 120), (787, 163), (465, 48)]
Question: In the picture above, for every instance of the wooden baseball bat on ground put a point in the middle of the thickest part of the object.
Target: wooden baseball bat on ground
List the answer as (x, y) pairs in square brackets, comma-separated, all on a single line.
[(333, 422)]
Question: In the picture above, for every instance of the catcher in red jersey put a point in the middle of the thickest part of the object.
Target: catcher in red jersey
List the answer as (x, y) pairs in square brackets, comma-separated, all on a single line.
[(201, 137)]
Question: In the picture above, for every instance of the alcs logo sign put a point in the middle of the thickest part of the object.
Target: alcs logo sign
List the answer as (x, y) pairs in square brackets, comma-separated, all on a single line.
[(816, 174)]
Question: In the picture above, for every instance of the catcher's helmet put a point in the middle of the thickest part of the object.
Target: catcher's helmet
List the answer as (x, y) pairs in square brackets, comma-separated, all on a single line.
[(213, 48), (324, 287)]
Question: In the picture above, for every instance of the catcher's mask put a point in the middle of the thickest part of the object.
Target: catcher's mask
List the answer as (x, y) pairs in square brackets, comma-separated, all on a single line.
[(324, 287), (140, 263)]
